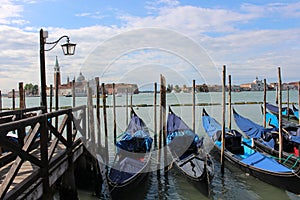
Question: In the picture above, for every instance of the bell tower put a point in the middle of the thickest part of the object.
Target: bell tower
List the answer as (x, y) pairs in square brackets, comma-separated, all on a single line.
[(57, 73)]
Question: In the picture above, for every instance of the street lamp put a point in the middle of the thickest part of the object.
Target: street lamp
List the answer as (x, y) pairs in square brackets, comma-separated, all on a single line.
[(68, 49)]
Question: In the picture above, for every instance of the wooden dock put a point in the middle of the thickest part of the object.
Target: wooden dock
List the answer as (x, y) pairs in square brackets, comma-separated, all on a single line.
[(46, 149)]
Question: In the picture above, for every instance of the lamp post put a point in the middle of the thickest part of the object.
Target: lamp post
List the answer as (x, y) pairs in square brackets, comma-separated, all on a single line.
[(68, 49)]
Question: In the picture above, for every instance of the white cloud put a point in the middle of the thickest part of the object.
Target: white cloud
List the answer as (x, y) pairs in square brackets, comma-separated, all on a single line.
[(268, 10), (9, 11), (192, 19), (141, 56), (95, 15)]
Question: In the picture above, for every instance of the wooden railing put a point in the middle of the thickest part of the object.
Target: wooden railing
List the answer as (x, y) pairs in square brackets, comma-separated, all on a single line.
[(45, 141)]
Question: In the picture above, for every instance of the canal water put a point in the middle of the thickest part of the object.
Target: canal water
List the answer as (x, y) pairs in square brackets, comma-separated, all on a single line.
[(235, 184)]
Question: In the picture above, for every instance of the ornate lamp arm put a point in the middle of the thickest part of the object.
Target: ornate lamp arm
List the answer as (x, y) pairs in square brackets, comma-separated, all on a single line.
[(56, 42)]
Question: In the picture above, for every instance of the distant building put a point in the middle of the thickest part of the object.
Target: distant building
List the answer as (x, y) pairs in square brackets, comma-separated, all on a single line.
[(214, 88), (10, 94), (122, 88), (81, 85), (256, 85), (63, 89)]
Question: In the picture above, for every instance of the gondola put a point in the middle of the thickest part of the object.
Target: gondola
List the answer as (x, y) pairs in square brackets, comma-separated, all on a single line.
[(287, 113), (187, 150), (272, 120), (239, 152), (132, 161), (266, 139), (296, 111)]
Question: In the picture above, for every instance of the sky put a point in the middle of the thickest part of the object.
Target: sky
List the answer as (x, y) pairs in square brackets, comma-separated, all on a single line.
[(135, 41)]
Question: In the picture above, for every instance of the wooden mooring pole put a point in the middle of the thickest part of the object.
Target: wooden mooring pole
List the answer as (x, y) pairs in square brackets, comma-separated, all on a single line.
[(105, 122), (130, 99), (194, 103), (21, 96), (299, 100), (73, 94), (154, 117), (114, 114), (0, 101), (98, 111), (56, 92), (265, 103), (126, 108), (229, 102), (91, 120), (51, 98), (280, 114), (276, 100), (13, 99), (223, 117), (288, 103), (163, 113), (56, 98), (21, 131)]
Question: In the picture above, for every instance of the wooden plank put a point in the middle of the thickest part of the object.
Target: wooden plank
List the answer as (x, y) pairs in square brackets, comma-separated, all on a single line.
[(57, 134), (13, 171), (6, 119), (19, 112), (21, 175)]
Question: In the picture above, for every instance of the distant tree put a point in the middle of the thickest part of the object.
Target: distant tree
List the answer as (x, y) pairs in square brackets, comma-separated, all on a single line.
[(31, 89), (177, 88), (35, 90), (204, 88), (169, 88)]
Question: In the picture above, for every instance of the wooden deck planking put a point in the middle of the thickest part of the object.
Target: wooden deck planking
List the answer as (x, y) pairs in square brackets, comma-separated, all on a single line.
[(27, 169)]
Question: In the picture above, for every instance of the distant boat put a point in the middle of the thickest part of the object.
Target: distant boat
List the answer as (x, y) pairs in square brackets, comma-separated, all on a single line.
[(68, 95), (118, 95), (240, 153)]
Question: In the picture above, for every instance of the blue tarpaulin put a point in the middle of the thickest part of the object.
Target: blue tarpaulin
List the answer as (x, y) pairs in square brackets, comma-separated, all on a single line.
[(296, 112), (177, 128), (274, 109), (210, 125), (136, 136), (266, 163), (292, 136), (271, 119), (250, 128)]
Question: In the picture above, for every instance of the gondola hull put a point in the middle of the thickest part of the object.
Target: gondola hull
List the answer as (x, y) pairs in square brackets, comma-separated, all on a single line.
[(240, 153), (132, 160), (259, 135), (135, 174), (190, 158), (286, 181), (194, 168)]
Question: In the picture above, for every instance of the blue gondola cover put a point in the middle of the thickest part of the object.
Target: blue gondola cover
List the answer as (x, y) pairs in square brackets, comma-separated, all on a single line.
[(136, 137)]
